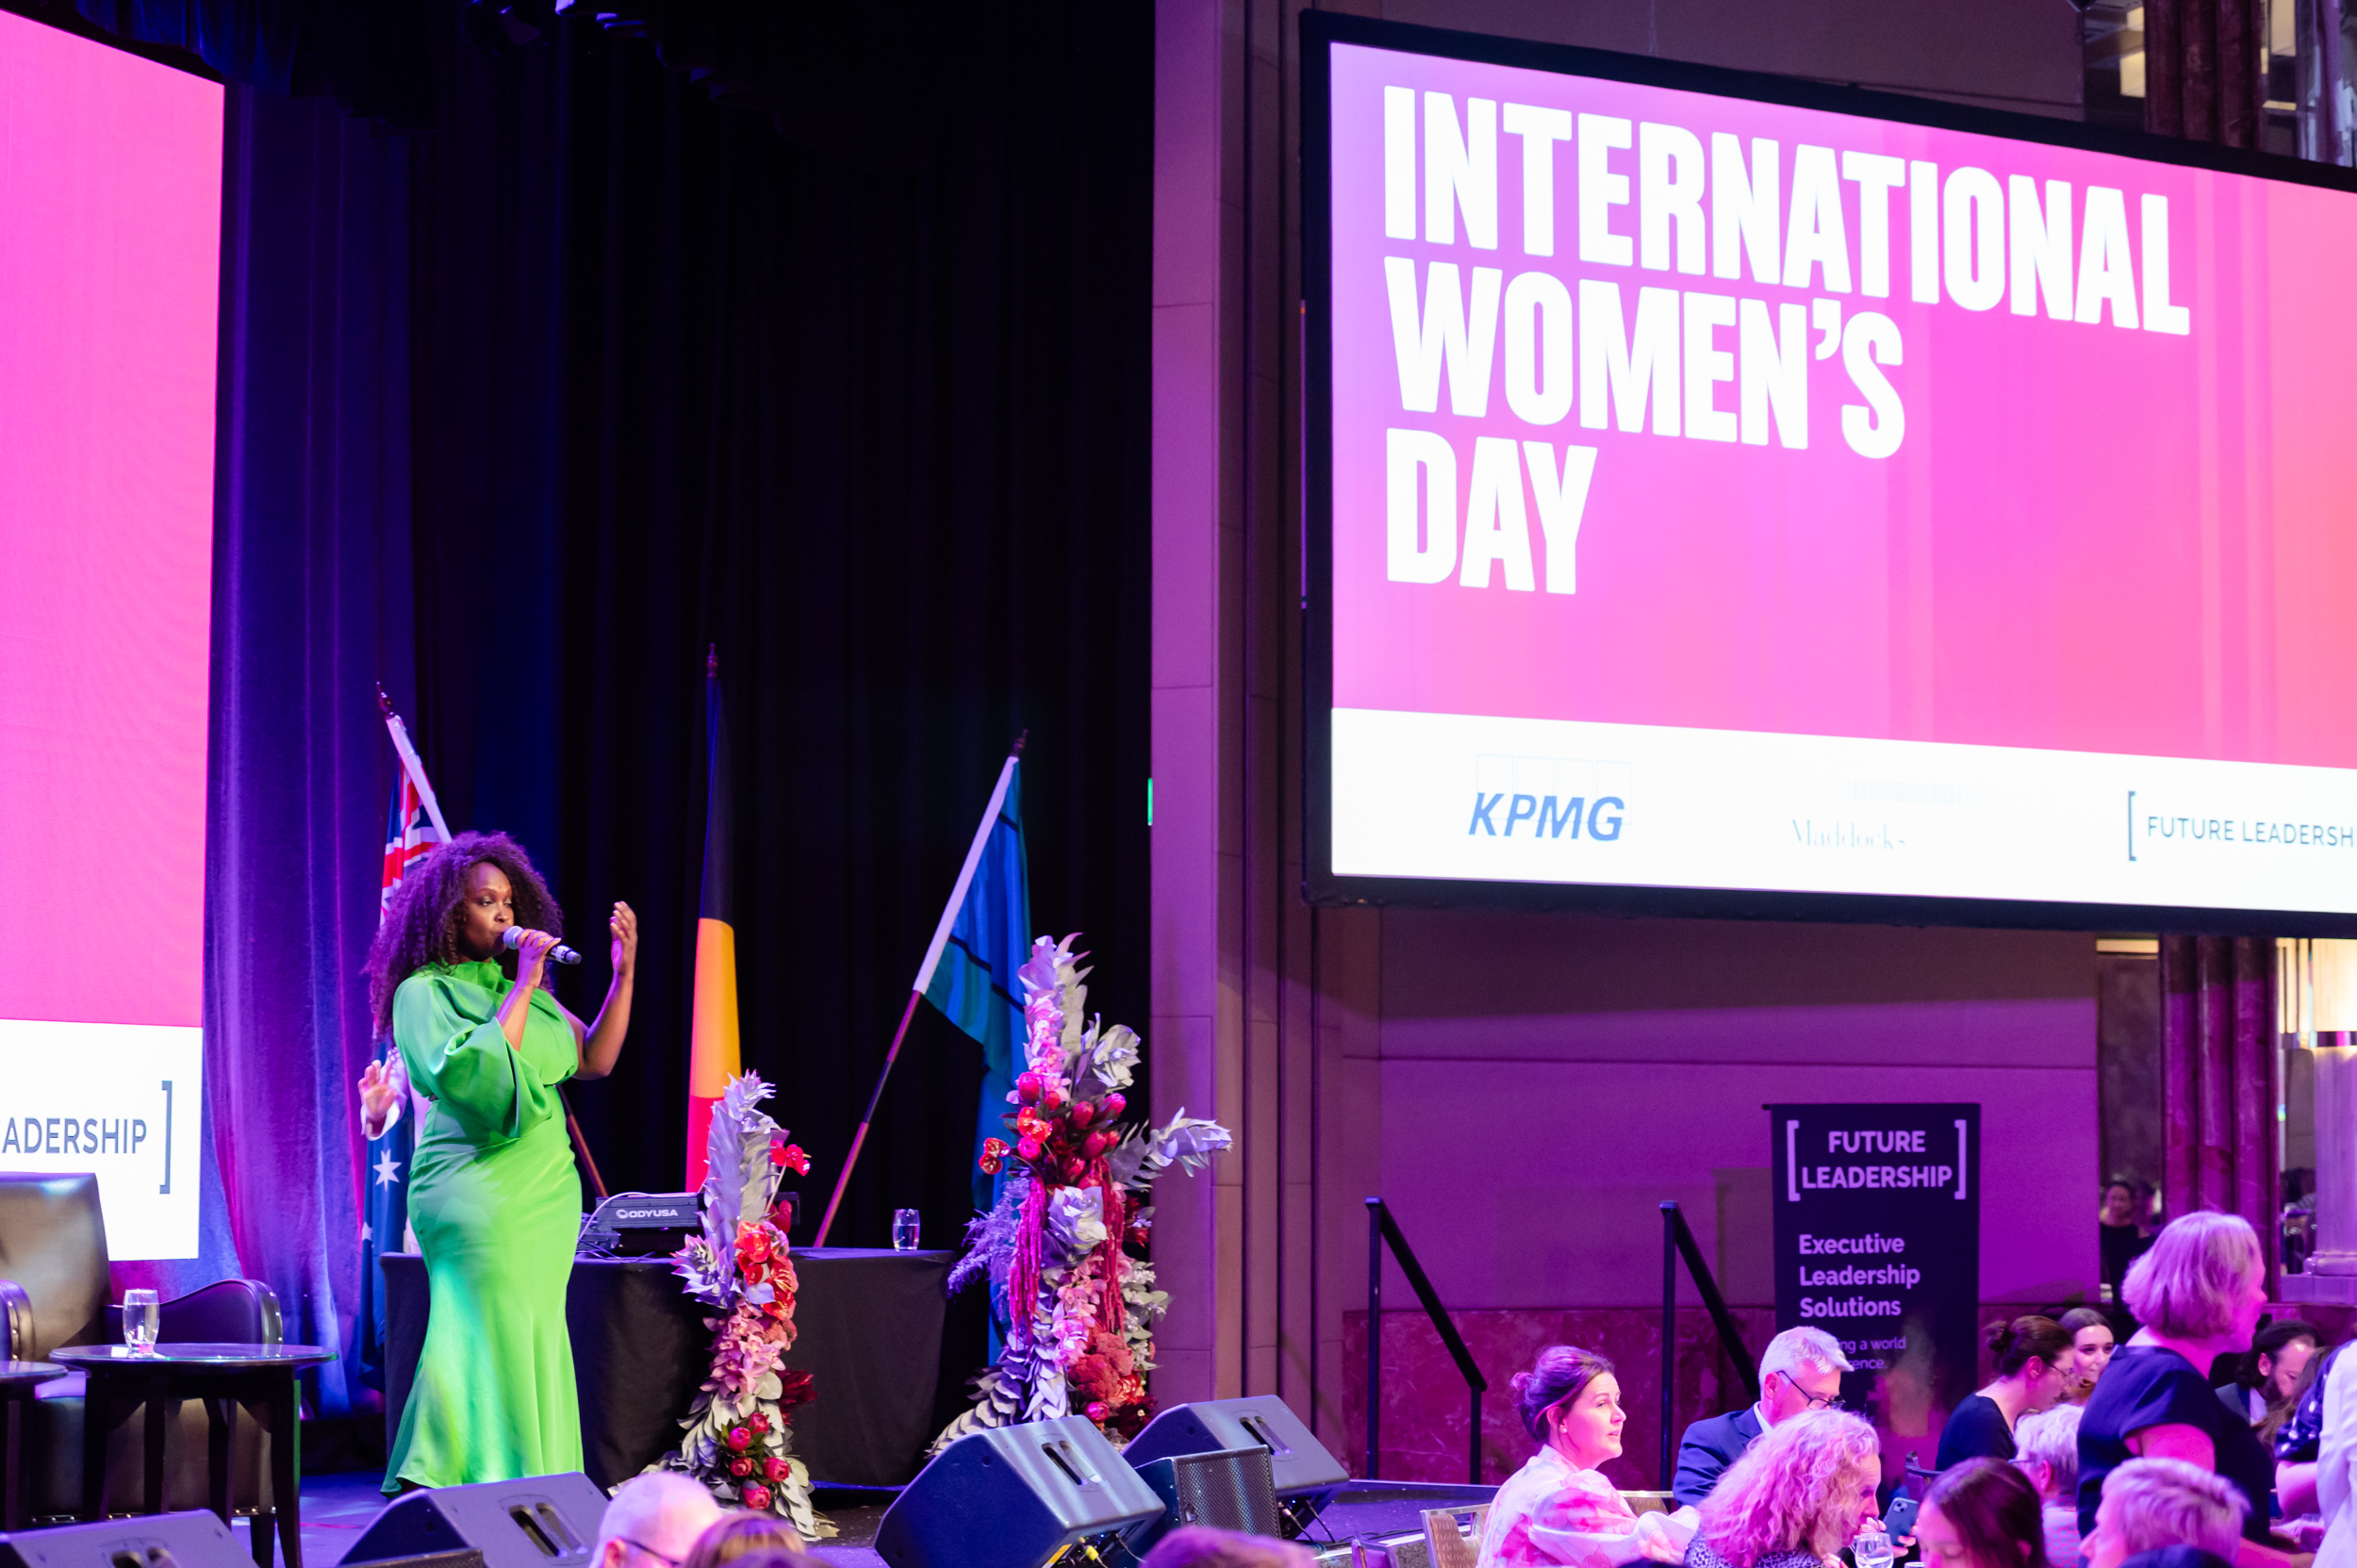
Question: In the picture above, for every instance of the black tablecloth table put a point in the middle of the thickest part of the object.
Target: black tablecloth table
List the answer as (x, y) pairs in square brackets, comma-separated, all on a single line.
[(868, 1329), (17, 1381)]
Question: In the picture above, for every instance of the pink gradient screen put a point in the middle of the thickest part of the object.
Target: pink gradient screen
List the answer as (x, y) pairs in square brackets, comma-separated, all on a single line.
[(2088, 536), (110, 170)]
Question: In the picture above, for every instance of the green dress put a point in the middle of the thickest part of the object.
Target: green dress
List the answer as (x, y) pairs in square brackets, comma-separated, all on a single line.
[(496, 1204)]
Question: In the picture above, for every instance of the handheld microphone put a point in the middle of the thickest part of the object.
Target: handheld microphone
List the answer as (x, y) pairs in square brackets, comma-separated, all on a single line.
[(513, 937)]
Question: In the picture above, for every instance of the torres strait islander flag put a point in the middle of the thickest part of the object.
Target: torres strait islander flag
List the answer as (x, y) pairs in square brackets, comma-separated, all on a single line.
[(978, 949), (713, 1054)]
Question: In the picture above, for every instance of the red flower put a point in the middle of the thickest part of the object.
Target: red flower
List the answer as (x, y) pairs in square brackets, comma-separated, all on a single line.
[(757, 1498), (740, 1467), (739, 1439), (774, 1468), (759, 1422), (994, 1148), (1113, 1107), (796, 1390), (1098, 1410), (1081, 1112), (753, 1241), (1028, 1086), (989, 1166), (1028, 1148), (791, 1156), (1053, 1099)]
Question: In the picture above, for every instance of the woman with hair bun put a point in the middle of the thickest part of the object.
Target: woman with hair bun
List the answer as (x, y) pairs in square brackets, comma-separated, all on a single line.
[(2033, 1360), (493, 1194), (1559, 1508), (1797, 1495)]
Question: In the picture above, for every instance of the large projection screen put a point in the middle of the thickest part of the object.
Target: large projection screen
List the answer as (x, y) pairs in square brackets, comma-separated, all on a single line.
[(111, 190), (1728, 495)]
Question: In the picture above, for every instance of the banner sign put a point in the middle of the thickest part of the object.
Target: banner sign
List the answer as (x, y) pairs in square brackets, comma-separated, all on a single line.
[(124, 1100), (1878, 1242), (1702, 494)]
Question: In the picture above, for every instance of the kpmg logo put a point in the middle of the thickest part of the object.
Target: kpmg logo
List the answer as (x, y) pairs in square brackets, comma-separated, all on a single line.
[(1499, 813)]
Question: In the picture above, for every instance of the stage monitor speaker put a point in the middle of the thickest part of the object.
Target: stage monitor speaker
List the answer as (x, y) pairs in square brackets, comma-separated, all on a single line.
[(1015, 1498), (541, 1522), (1234, 1490), (193, 1540), (1297, 1460)]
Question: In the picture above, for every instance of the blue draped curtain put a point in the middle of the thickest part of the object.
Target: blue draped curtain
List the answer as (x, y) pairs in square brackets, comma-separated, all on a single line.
[(311, 609)]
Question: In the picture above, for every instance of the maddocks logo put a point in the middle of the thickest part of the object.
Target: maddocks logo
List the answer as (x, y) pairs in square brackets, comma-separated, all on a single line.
[(1498, 815)]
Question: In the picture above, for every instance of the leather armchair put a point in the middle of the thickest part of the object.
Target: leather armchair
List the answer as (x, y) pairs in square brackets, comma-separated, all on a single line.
[(54, 1289)]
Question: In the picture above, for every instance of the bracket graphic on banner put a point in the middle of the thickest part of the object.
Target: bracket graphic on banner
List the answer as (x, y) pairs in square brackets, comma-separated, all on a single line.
[(1878, 1243)]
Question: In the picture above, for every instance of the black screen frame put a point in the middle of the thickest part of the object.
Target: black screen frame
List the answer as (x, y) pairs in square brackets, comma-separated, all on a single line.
[(1320, 886)]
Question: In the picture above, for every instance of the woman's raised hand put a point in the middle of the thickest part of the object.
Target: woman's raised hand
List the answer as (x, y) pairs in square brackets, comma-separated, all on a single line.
[(378, 1094), (624, 926)]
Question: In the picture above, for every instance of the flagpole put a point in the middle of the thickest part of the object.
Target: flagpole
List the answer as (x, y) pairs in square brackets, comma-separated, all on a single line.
[(924, 976), (411, 764), (844, 1179)]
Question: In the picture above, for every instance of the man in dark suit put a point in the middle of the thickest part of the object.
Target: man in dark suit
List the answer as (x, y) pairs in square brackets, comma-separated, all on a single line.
[(1800, 1371)]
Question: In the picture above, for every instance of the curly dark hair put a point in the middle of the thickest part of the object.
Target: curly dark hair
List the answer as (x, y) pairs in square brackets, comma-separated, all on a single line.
[(421, 925)]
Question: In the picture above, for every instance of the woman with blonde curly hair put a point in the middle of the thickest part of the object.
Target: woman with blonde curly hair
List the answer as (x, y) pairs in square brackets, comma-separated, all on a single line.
[(1559, 1508), (493, 1195), (1795, 1497)]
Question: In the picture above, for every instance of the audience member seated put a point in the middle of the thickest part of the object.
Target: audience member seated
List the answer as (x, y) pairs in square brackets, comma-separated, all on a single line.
[(2334, 1479), (653, 1522), (1200, 1546), (2262, 1391), (2091, 1348), (2198, 1292), (2149, 1504), (1801, 1370), (2046, 1453), (2032, 1358), (2298, 1438), (740, 1535), (1984, 1513), (1797, 1496), (1559, 1508)]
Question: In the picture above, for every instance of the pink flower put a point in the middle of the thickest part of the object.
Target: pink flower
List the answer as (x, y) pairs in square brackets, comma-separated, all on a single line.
[(1098, 1410), (1028, 1086), (1113, 1107), (756, 1498), (1028, 1148), (740, 1467), (774, 1468), (740, 1439), (758, 1422)]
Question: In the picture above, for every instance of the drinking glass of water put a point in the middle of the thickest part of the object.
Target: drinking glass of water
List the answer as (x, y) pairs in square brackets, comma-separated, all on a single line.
[(140, 1320), (904, 1230), (1871, 1548)]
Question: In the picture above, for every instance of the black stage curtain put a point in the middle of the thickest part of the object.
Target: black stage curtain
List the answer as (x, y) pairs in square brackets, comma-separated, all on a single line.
[(878, 429)]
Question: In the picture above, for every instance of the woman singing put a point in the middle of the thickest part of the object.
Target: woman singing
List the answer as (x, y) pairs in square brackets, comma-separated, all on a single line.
[(493, 1195)]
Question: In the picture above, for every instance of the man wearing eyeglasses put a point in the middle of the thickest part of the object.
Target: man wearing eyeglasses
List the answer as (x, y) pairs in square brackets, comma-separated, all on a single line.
[(1801, 1371), (653, 1522)]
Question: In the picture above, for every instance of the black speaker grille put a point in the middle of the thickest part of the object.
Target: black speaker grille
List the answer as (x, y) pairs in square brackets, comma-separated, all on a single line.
[(1231, 1491)]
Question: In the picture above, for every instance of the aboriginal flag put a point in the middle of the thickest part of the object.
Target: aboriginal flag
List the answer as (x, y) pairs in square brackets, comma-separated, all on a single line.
[(713, 1055)]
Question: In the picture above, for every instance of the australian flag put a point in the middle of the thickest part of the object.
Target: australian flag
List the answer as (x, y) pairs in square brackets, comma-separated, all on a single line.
[(409, 838)]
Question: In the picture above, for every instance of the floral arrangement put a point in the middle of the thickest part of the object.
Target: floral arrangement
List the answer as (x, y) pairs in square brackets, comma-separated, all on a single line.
[(739, 1441), (1064, 1247)]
